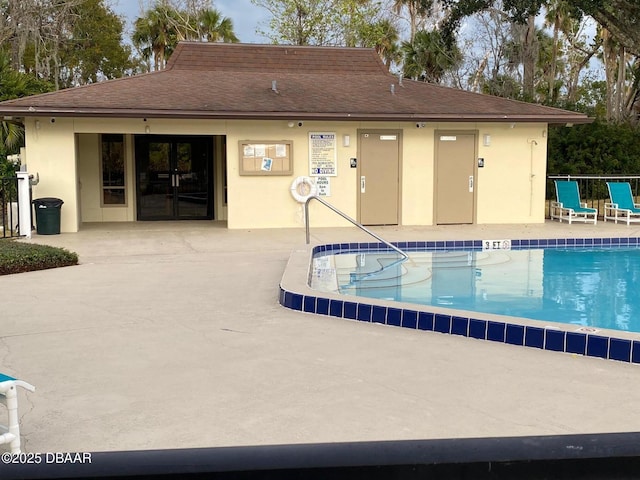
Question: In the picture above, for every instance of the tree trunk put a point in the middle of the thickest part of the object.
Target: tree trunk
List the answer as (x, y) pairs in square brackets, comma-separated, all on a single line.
[(612, 60), (621, 18), (552, 68), (529, 55)]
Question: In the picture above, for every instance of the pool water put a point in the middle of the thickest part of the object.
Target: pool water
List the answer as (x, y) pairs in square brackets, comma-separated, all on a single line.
[(591, 287)]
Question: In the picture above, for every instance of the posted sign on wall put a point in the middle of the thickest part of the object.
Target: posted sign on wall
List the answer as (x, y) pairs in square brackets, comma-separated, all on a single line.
[(324, 186), (323, 157)]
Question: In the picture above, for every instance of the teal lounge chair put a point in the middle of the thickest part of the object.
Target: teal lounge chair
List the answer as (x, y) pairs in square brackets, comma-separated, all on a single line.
[(569, 207), (10, 433), (622, 206)]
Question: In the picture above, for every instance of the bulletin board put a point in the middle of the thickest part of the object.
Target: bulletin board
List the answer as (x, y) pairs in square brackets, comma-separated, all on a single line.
[(267, 157)]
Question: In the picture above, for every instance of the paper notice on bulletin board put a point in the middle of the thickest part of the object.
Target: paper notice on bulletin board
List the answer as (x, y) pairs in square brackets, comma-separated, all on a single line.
[(266, 164), (323, 156), (324, 186)]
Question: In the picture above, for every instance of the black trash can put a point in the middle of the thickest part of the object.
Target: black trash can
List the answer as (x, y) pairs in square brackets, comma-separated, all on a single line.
[(47, 215)]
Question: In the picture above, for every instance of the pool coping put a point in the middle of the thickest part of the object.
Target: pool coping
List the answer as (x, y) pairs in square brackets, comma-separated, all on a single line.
[(296, 294)]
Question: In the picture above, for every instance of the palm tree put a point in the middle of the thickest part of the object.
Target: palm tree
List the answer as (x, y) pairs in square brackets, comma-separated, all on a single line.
[(559, 18), (156, 34), (159, 31), (15, 84), (386, 43), (416, 10), (428, 58), (213, 27), (383, 37)]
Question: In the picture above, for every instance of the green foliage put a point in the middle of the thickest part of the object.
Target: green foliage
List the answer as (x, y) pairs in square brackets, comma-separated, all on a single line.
[(598, 148), (620, 17), (95, 50), (458, 10), (347, 23), (155, 34), (68, 43), (211, 26), (502, 86), (428, 58), (297, 23), (158, 32), (591, 99), (7, 169), (18, 257), (352, 20), (14, 84)]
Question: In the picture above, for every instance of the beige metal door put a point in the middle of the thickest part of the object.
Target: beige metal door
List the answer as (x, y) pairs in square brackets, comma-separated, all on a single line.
[(455, 177), (379, 166)]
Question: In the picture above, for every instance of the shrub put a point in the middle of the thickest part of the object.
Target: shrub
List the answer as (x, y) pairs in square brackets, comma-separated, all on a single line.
[(17, 257), (594, 149)]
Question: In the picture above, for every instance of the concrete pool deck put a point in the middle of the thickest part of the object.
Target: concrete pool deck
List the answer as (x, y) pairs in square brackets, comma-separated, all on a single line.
[(170, 335)]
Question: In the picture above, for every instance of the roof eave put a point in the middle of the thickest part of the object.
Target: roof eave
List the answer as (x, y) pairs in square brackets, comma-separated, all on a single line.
[(332, 116)]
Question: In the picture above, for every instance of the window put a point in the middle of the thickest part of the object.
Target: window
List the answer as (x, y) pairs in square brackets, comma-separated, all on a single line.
[(113, 177)]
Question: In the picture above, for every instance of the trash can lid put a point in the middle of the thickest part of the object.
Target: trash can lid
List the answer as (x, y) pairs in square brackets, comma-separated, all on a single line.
[(48, 202)]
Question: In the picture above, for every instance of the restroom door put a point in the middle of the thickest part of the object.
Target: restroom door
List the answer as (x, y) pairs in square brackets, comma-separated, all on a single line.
[(379, 177), (455, 177)]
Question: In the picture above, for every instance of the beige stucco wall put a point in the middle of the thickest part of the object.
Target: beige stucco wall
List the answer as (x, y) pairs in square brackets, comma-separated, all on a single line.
[(509, 189), (256, 202), (51, 152), (511, 186)]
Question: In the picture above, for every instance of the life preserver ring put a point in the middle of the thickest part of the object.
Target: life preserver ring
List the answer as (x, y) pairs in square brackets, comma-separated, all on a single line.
[(302, 188)]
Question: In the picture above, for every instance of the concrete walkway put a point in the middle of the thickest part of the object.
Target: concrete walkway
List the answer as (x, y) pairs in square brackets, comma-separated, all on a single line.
[(169, 335)]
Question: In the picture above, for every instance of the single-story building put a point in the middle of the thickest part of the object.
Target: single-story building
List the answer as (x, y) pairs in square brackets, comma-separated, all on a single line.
[(226, 132)]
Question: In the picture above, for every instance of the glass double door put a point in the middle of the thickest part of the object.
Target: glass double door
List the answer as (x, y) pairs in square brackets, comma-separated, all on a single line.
[(174, 177)]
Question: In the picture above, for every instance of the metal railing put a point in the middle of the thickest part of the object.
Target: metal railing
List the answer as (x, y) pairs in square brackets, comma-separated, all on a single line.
[(9, 210), (346, 217), (593, 189)]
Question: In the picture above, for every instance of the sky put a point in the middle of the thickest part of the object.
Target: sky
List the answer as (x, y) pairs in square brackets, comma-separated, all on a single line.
[(244, 15)]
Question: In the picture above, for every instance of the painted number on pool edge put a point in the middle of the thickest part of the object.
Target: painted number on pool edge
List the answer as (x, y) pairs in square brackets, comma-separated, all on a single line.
[(496, 245)]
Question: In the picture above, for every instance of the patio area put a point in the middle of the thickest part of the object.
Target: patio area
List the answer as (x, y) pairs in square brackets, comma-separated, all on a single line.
[(170, 335)]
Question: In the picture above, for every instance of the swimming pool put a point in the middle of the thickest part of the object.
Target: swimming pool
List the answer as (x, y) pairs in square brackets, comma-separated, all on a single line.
[(468, 266), (592, 287)]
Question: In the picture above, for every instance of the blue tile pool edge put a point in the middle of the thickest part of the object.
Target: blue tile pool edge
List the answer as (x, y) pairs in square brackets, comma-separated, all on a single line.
[(545, 338), (476, 245)]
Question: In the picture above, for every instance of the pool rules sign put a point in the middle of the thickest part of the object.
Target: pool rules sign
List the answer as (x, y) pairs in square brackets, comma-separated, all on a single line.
[(323, 160), (323, 154)]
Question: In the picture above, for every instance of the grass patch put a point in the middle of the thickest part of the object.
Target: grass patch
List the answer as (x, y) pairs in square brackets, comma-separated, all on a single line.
[(17, 257)]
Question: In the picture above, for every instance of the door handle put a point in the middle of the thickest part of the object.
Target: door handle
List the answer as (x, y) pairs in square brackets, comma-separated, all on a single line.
[(470, 183), (173, 180), (177, 179), (362, 184)]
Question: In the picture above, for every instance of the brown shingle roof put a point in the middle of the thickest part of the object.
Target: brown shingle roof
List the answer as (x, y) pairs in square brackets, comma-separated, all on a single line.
[(218, 80)]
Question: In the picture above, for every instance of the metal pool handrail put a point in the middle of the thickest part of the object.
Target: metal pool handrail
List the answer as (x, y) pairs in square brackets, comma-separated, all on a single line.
[(346, 217)]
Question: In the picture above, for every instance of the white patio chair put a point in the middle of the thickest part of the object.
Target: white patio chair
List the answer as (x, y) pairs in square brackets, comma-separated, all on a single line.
[(10, 433)]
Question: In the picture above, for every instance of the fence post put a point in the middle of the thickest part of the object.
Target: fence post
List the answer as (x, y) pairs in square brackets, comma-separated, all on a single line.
[(24, 204)]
